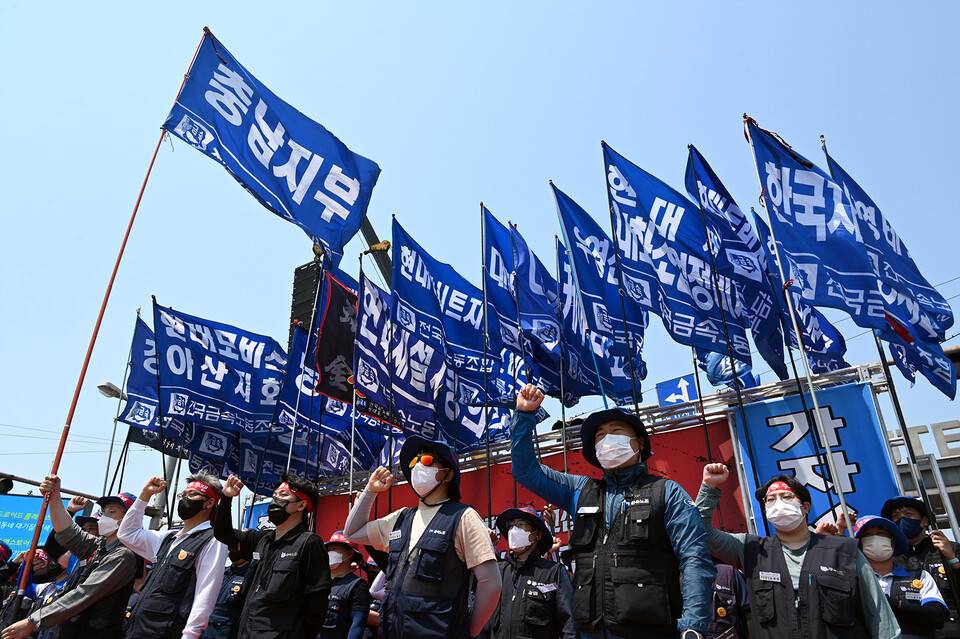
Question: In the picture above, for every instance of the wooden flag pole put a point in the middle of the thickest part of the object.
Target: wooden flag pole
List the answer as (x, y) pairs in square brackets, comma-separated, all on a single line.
[(55, 467)]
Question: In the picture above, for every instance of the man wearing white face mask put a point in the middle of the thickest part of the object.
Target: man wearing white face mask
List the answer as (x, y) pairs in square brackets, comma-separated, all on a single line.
[(801, 584), (913, 593), (436, 549), (643, 569), (535, 601), (349, 603), (92, 604)]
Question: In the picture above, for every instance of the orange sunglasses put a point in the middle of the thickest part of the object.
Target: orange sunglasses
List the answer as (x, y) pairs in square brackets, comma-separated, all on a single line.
[(425, 458)]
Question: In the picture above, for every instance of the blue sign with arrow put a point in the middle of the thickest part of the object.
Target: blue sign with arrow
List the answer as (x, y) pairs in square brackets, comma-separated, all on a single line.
[(677, 391)]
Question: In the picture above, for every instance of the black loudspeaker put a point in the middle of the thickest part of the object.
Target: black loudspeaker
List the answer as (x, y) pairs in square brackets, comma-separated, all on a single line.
[(6, 485), (305, 280)]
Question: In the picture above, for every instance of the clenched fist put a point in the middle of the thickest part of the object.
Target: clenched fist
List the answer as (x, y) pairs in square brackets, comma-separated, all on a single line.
[(77, 503), (232, 487), (50, 486), (529, 399), (715, 474), (154, 486), (380, 480)]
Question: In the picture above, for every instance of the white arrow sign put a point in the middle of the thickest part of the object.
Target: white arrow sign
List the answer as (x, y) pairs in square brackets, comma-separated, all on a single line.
[(683, 395)]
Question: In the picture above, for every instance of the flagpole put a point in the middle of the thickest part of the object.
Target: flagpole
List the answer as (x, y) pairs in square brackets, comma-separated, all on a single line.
[(116, 417), (563, 365), (703, 417), (353, 407), (121, 463), (486, 337), (623, 308), (576, 283), (806, 367)]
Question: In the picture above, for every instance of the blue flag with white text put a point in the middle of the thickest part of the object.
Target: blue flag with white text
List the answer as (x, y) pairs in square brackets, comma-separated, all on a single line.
[(666, 268), (733, 237), (291, 164)]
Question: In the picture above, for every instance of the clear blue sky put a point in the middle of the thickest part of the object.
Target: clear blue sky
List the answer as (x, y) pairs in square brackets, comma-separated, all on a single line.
[(456, 104)]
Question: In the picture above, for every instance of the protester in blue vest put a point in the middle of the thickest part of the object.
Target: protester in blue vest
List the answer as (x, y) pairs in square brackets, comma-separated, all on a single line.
[(536, 595), (642, 564), (226, 614), (349, 603), (800, 583), (731, 605), (929, 550), (912, 593), (436, 549)]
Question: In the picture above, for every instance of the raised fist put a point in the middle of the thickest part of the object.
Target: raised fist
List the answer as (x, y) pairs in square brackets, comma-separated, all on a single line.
[(77, 503), (380, 480), (529, 399), (715, 474), (154, 486), (232, 487), (50, 486)]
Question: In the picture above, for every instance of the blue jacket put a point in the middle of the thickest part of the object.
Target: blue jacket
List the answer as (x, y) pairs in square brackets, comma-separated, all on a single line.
[(682, 519)]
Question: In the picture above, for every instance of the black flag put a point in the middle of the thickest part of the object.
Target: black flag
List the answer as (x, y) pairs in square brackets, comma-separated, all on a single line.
[(335, 338)]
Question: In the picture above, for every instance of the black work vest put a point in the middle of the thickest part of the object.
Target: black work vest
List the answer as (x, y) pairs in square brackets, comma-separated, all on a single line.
[(104, 619), (528, 601), (340, 606), (627, 578), (223, 620), (427, 585), (274, 603), (166, 599), (925, 556), (727, 620), (905, 595), (827, 605)]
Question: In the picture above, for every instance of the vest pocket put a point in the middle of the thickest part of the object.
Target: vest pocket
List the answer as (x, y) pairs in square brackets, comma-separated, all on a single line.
[(638, 597), (637, 520), (762, 602), (175, 578), (727, 602), (538, 607), (836, 599), (584, 611), (426, 618), (431, 559), (282, 581)]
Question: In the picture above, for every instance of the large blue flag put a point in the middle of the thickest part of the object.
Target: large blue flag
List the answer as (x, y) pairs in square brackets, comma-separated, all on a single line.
[(665, 266), (817, 233), (595, 280), (743, 257), (371, 363), (500, 258), (215, 374), (720, 373), (824, 345), (929, 359), (291, 164), (909, 297)]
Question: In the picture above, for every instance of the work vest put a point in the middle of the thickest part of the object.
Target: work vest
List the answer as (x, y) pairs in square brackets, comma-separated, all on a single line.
[(528, 601), (166, 598), (427, 585), (104, 619), (274, 598), (223, 620), (925, 556), (827, 605), (727, 619), (627, 578), (340, 606), (905, 595)]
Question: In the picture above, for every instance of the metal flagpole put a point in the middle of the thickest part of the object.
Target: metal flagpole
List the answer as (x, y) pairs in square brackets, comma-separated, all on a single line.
[(318, 255), (563, 366), (486, 340), (806, 367), (121, 463), (895, 400), (623, 308), (116, 417), (353, 408), (703, 417)]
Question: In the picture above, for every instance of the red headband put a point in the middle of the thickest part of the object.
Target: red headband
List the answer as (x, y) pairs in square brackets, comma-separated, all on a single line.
[(302, 496), (780, 485), (204, 489)]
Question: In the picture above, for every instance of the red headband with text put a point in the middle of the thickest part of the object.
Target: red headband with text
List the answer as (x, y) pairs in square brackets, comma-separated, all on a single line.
[(780, 485), (207, 491), (302, 496)]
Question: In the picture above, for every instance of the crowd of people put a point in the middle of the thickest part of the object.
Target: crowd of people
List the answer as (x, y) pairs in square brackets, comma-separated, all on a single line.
[(643, 560)]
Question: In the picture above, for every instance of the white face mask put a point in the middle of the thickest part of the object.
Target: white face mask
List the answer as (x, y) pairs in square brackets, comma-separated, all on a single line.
[(785, 515), (877, 548), (107, 525), (518, 538), (615, 450), (335, 557), (423, 479)]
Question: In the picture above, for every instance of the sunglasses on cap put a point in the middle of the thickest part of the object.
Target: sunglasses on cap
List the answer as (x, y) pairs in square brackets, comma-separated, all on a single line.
[(425, 458)]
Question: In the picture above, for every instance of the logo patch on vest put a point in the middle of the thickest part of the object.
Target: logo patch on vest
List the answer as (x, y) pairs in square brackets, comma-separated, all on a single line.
[(437, 532), (256, 556), (770, 576), (912, 596), (545, 588), (588, 510), (395, 534), (832, 569), (284, 555)]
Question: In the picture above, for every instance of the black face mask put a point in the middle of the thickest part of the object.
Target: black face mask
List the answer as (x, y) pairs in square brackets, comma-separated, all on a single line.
[(277, 511), (188, 508), (48, 574)]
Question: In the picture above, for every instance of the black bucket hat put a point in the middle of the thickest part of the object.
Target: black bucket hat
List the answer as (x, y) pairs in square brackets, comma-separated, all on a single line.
[(530, 515), (904, 500), (588, 432), (414, 444)]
